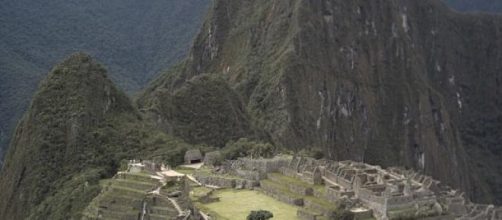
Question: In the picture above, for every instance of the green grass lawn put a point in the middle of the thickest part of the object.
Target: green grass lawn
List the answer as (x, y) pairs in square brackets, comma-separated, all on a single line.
[(237, 204), (198, 192)]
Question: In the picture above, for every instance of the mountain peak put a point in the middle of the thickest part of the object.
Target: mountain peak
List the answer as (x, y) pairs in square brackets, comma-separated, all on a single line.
[(53, 140), (382, 82), (81, 82), (79, 64)]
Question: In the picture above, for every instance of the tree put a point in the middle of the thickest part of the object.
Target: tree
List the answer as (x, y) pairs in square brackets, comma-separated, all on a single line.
[(260, 215)]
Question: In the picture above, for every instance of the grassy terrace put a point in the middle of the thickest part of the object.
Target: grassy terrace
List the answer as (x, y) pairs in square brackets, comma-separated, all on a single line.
[(282, 188), (205, 171), (121, 198), (237, 204), (281, 182), (198, 192), (295, 181)]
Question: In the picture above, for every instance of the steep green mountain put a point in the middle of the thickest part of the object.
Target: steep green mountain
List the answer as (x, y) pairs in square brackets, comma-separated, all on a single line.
[(204, 110), (76, 132), (135, 39), (477, 5), (399, 82)]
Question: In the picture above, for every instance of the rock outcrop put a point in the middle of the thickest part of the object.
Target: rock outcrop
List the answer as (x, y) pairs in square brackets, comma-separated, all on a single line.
[(407, 83)]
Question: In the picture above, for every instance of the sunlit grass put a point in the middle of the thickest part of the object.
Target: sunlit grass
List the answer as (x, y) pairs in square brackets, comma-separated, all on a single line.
[(237, 204)]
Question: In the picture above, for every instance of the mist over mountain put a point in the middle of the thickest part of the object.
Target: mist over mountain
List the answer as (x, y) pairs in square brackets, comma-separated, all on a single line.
[(134, 39)]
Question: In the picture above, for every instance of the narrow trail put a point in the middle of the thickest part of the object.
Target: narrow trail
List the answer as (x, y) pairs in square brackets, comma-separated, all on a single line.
[(204, 216), (176, 206), (143, 211), (163, 181)]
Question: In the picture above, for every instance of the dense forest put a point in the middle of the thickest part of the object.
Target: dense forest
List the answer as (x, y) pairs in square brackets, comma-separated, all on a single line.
[(134, 39), (393, 83)]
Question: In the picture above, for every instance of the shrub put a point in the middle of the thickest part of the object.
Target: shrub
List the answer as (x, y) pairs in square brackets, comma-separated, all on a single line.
[(260, 215)]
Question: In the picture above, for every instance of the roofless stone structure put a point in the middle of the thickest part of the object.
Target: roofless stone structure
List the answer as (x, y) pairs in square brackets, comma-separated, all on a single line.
[(366, 190)]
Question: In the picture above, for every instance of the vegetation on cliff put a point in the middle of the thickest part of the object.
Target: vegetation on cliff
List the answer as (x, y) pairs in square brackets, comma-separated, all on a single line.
[(135, 39), (406, 83), (384, 82), (77, 131)]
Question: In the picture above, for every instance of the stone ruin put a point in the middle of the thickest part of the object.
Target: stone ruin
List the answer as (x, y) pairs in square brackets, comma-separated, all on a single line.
[(136, 166), (391, 193), (243, 173), (193, 157)]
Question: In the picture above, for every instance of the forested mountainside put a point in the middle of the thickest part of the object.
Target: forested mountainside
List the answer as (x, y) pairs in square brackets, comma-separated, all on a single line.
[(476, 5), (398, 82), (76, 132), (387, 82), (134, 39)]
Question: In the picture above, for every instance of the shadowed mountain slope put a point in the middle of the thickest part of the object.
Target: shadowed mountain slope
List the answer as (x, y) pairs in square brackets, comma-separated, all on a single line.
[(135, 39), (407, 83), (76, 132)]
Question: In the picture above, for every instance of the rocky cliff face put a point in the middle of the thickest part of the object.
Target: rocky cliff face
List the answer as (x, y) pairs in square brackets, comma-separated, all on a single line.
[(77, 130), (406, 83)]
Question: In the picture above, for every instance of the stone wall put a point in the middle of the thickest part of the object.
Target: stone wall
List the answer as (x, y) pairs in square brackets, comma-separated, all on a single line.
[(226, 182), (246, 184), (373, 187), (286, 171), (249, 174), (408, 201), (360, 215), (216, 181), (345, 183), (299, 189), (303, 214), (311, 205), (273, 192), (333, 195), (377, 203), (265, 165)]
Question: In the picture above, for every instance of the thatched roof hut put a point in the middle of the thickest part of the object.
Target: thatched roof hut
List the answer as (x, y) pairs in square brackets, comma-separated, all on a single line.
[(193, 156)]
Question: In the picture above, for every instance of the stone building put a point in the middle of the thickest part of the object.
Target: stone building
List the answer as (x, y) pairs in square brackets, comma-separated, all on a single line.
[(136, 166), (367, 190), (151, 166), (193, 157)]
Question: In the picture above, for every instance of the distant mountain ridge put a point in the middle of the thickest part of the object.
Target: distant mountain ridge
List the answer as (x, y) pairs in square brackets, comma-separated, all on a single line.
[(135, 39), (494, 6), (387, 82)]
